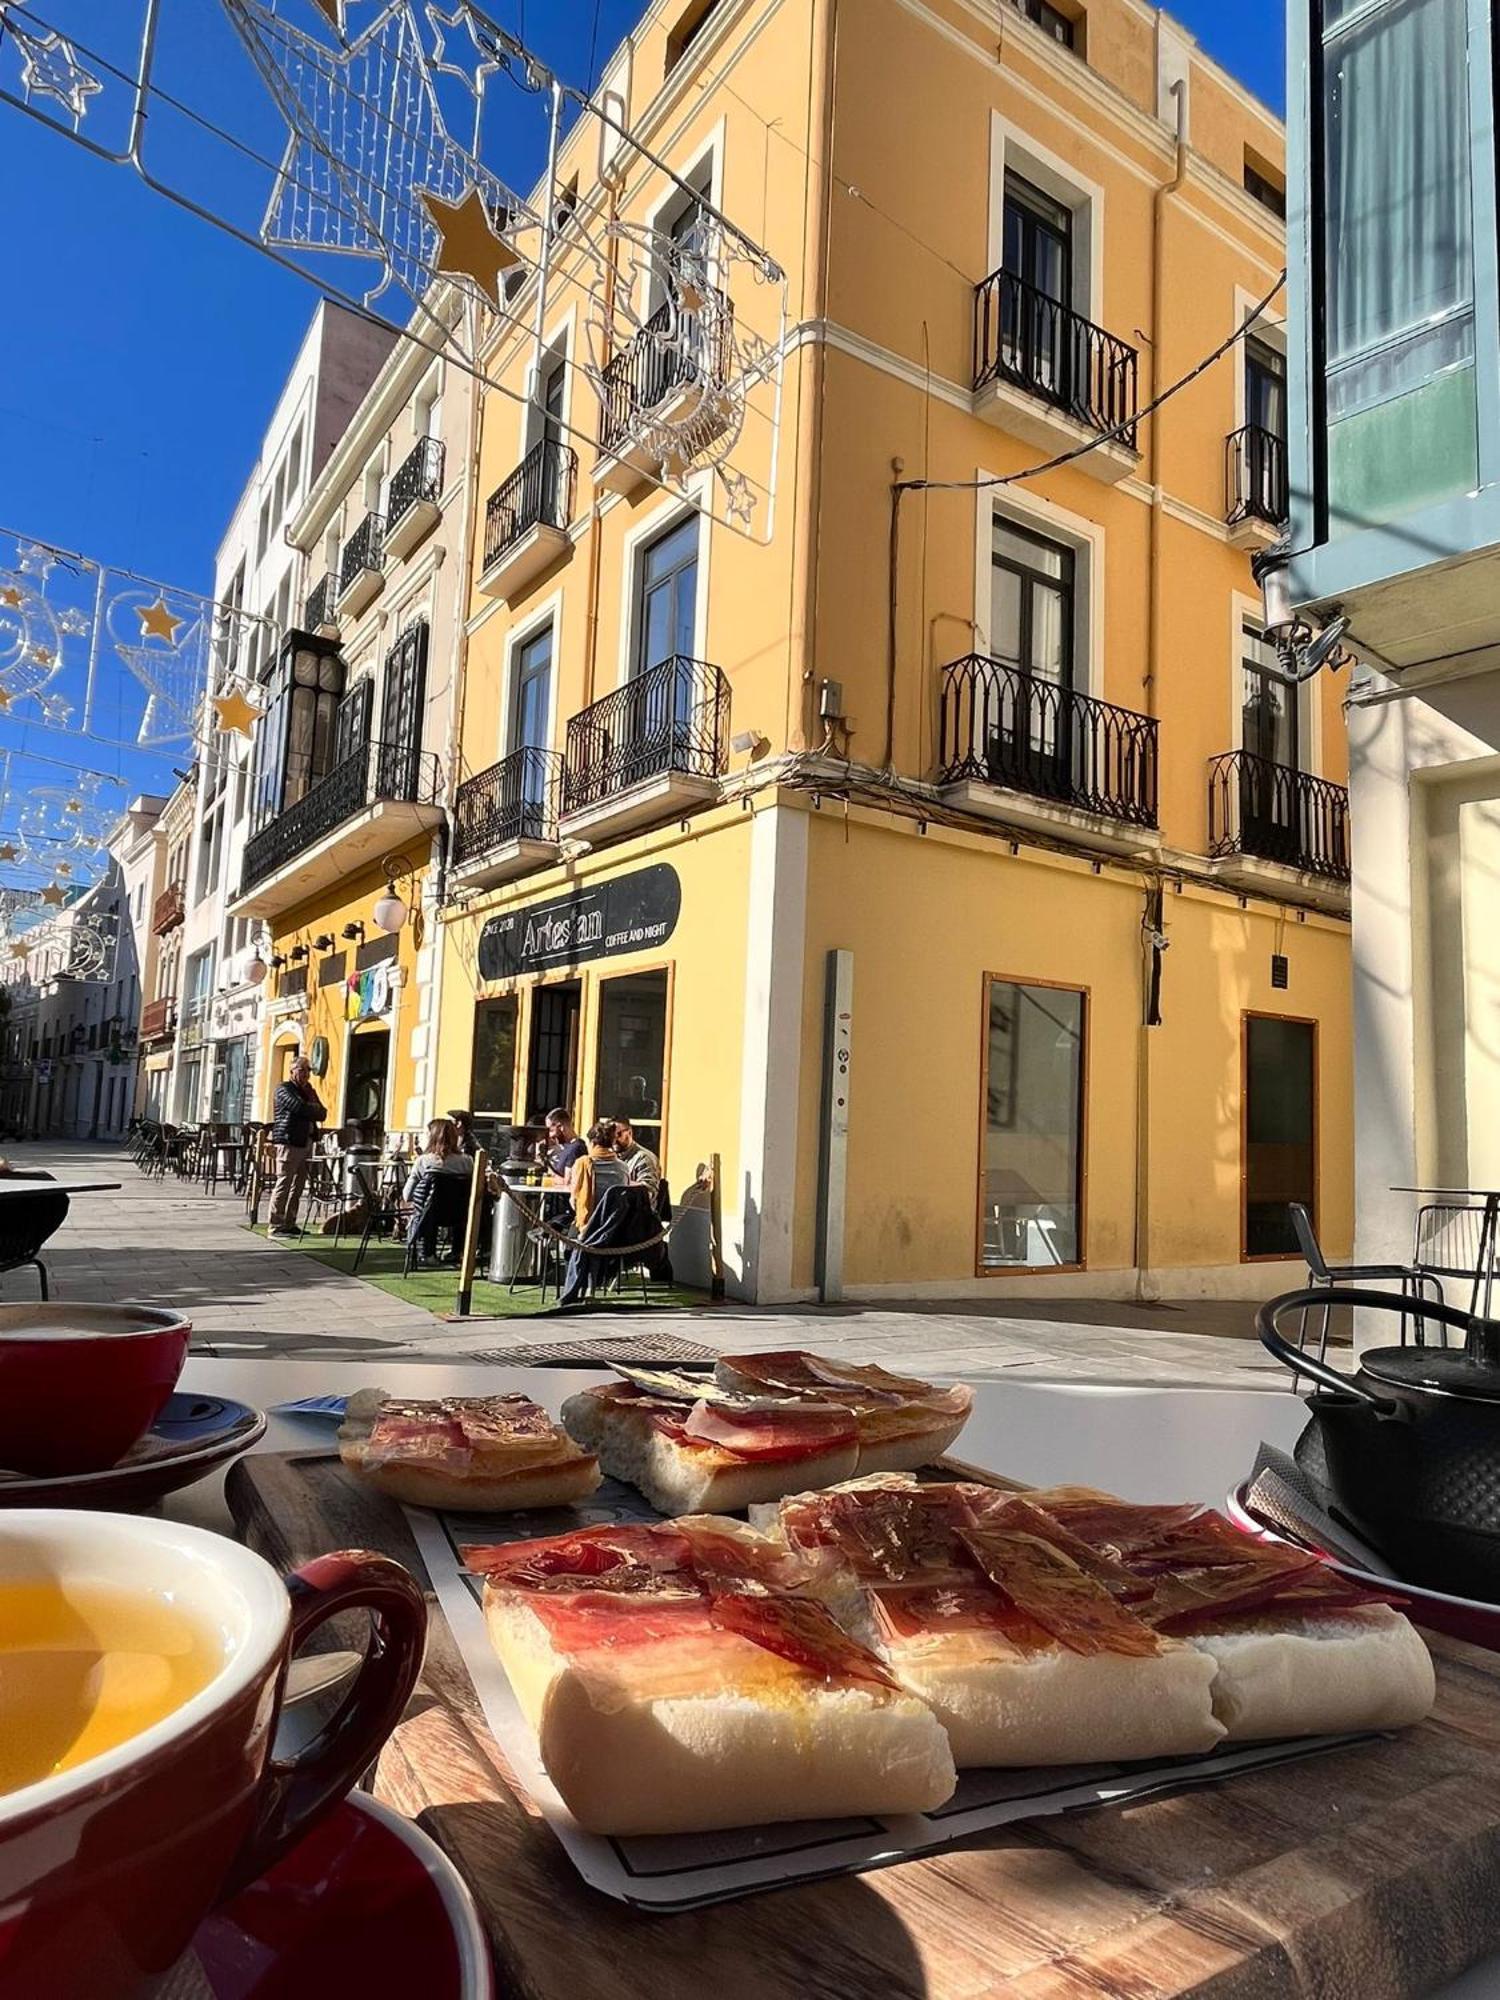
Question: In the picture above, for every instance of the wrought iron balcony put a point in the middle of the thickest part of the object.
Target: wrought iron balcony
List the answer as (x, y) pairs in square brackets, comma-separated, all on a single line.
[(1003, 727), (158, 1018), (364, 555), (1273, 813), (1035, 343), (672, 718), (515, 799), (320, 614), (673, 350), (539, 493), (169, 909), (418, 478), (374, 772), (1257, 477)]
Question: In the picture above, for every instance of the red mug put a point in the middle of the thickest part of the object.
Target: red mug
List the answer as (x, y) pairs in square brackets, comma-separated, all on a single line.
[(107, 1869), (80, 1384)]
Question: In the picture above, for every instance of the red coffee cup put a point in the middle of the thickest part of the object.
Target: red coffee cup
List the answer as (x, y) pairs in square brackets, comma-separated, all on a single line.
[(106, 1870), (80, 1384)]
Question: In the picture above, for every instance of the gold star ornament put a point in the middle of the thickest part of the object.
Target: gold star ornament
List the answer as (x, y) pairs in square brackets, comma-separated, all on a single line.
[(19, 950), (232, 711), (64, 867), (157, 622), (73, 806), (52, 895), (9, 851), (470, 247), (11, 596)]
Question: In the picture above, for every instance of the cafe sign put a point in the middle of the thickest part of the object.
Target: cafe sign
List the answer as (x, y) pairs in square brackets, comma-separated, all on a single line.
[(634, 912)]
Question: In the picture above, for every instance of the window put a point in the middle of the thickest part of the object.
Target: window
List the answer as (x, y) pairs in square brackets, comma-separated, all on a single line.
[(401, 711), (1031, 603), (1049, 20), (1262, 185), (532, 691), (373, 481), (294, 742), (1038, 239), (1265, 387), (688, 26), (263, 530), (1269, 716), (629, 1075), (492, 1086), (1280, 1127), (294, 464), (667, 597), (1031, 1170), (1397, 250)]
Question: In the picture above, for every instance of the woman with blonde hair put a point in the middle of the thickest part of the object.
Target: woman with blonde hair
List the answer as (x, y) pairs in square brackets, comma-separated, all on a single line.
[(432, 1186)]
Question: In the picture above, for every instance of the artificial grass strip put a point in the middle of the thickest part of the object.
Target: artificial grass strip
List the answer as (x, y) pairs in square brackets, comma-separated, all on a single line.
[(437, 1291)]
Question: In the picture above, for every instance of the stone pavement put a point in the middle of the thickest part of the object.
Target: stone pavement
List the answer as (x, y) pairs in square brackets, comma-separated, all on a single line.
[(167, 1243)]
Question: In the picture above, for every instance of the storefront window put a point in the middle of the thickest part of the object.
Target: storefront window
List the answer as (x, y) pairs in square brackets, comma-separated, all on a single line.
[(631, 1069), (493, 1085), (1031, 1172)]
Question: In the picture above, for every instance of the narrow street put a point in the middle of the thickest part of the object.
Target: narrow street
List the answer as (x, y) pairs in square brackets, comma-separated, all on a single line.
[(168, 1243)]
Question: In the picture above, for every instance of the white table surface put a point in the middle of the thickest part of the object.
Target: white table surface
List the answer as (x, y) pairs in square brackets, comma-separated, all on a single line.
[(1142, 1444)]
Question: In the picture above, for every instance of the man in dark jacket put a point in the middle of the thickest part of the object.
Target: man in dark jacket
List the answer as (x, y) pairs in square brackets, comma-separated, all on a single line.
[(296, 1113)]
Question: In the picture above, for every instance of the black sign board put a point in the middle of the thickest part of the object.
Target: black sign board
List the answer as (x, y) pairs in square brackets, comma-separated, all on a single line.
[(1281, 972), (633, 913)]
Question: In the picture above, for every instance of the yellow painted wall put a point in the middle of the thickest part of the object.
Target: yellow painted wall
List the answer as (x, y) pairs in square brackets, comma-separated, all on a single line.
[(322, 1012)]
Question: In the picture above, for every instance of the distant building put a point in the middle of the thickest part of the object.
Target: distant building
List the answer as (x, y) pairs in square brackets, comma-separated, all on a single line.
[(1395, 532)]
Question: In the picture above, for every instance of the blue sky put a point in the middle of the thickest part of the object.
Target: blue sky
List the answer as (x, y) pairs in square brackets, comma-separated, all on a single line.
[(143, 349)]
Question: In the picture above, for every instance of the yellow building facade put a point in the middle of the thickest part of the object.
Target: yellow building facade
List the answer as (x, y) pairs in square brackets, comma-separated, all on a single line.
[(947, 865)]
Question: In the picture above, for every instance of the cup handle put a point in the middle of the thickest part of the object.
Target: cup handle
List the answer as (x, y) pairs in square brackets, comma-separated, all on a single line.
[(297, 1791)]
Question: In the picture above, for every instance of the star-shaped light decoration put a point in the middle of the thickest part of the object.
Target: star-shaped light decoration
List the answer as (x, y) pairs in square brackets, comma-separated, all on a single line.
[(470, 247), (232, 711), (50, 68), (8, 850), (53, 895), (20, 949), (73, 621), (6, 698), (43, 655), (74, 806), (11, 596), (485, 59), (157, 622), (64, 867), (56, 710)]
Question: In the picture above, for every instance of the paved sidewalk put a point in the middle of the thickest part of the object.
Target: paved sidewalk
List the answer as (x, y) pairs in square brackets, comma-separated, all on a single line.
[(167, 1243)]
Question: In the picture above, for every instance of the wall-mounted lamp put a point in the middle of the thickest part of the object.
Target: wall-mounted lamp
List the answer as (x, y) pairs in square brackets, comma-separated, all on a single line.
[(391, 910), (354, 932), (277, 961), (325, 942), (256, 970), (298, 953), (749, 743)]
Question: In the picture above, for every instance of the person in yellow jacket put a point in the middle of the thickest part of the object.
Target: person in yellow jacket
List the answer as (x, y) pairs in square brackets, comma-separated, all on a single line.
[(600, 1167)]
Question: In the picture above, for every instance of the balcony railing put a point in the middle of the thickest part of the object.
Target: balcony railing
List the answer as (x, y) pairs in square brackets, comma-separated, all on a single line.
[(374, 772), (539, 493), (671, 350), (418, 477), (158, 1017), (168, 910), (365, 549), (322, 600), (1274, 813), (673, 717), (515, 799), (1042, 346), (1257, 477), (1001, 726)]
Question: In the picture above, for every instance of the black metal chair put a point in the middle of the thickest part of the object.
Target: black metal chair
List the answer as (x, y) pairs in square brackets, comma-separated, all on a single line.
[(440, 1201), (27, 1221), (1323, 1276), (385, 1212)]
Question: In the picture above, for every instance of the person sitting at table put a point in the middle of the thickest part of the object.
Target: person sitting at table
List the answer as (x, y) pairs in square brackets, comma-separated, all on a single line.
[(563, 1145), (593, 1171), (463, 1124), (439, 1176), (642, 1168)]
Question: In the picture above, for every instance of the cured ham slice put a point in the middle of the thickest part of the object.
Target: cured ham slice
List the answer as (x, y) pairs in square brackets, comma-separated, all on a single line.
[(902, 1422), (479, 1453)]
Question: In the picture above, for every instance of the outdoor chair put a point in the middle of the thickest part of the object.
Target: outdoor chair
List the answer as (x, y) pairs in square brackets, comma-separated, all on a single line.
[(385, 1212), (1417, 1285), (27, 1221), (622, 1234), (322, 1192), (441, 1201)]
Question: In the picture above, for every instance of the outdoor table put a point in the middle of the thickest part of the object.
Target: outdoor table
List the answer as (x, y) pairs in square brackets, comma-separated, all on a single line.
[(1484, 1258), (17, 1184), (1144, 1444), (513, 1219)]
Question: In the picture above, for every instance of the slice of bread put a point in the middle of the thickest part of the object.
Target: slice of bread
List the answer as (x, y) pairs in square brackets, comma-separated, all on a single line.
[(893, 1437), (690, 1479), (545, 1469), (1329, 1675), (692, 1763)]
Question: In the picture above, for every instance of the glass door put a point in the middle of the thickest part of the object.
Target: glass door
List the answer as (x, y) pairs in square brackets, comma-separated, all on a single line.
[(629, 1077), (554, 477), (1031, 1170), (401, 714), (666, 626), (1029, 718), (1280, 1131), (1035, 311), (526, 796), (1270, 735), (552, 1060)]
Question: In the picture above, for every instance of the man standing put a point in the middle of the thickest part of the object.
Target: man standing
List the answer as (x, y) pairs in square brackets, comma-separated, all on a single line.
[(297, 1110), (642, 1168)]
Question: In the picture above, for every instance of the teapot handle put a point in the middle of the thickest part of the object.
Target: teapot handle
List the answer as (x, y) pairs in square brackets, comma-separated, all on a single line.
[(1302, 1363)]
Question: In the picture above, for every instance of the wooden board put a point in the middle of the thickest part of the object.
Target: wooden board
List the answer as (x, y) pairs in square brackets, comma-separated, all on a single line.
[(1367, 1874)]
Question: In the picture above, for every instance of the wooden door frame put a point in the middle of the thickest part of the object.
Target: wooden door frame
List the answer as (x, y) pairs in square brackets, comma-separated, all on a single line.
[(669, 967)]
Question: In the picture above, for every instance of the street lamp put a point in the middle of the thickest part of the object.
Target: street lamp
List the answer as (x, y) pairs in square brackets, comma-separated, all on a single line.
[(391, 910)]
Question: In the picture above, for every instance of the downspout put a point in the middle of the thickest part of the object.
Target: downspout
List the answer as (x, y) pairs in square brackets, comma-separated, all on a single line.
[(591, 594), (801, 730), (1150, 958)]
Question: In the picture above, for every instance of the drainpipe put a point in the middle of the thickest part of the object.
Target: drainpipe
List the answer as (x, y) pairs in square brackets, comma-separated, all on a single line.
[(591, 595), (1151, 681)]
